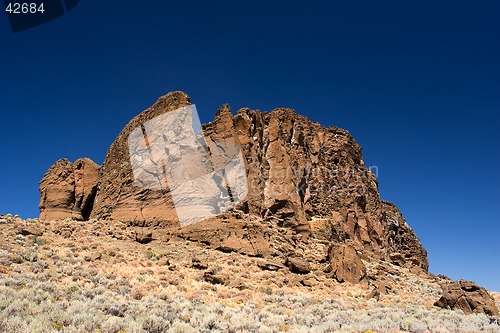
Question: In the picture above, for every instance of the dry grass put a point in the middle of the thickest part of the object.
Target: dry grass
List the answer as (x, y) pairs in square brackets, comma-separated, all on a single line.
[(93, 281)]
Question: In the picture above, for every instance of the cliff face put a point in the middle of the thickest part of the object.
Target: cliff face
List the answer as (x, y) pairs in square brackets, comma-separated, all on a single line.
[(301, 177), (311, 178)]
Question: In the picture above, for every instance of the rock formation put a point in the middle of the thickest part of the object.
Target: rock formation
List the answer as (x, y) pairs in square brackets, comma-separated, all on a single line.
[(301, 177), (119, 197), (68, 190), (346, 265), (468, 297), (266, 184)]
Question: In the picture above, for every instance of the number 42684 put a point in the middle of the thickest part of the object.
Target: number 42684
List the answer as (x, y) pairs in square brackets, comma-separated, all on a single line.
[(24, 8)]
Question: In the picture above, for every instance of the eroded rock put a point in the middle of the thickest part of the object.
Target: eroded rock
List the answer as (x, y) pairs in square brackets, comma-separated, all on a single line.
[(30, 230), (228, 233), (143, 237), (68, 189), (468, 297), (119, 196), (346, 265), (301, 176), (298, 265)]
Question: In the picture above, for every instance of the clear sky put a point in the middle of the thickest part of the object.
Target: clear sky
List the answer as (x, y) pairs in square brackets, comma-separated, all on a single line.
[(416, 83)]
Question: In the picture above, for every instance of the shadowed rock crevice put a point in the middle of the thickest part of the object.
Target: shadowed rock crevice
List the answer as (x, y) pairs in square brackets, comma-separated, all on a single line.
[(89, 204)]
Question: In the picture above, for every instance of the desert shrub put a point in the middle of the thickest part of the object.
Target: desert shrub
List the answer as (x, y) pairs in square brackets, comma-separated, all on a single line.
[(117, 310), (50, 288), (113, 325), (266, 290), (15, 324), (29, 254), (155, 324), (39, 241), (28, 304), (181, 327), (153, 255), (87, 322), (39, 266)]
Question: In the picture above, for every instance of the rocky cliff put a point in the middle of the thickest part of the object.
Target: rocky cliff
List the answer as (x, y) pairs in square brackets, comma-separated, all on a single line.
[(307, 187), (69, 189)]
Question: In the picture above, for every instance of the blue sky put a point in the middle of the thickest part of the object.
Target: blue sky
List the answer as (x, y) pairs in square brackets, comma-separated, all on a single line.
[(417, 84)]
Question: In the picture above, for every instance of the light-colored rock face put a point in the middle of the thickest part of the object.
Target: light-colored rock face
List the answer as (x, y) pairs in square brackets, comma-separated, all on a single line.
[(119, 196), (169, 152), (162, 171), (68, 189)]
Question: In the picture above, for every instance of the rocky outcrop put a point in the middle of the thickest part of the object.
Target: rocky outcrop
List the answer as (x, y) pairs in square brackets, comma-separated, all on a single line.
[(313, 179), (68, 190), (119, 196), (468, 297), (229, 233), (86, 174), (301, 176)]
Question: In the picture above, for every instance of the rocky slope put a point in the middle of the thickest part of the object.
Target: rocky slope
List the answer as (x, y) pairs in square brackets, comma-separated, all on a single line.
[(92, 276)]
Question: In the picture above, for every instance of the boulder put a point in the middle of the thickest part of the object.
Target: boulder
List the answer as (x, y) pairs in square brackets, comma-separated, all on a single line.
[(199, 263), (30, 230), (216, 277), (468, 297), (143, 237), (298, 265), (346, 265), (270, 265), (93, 256)]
